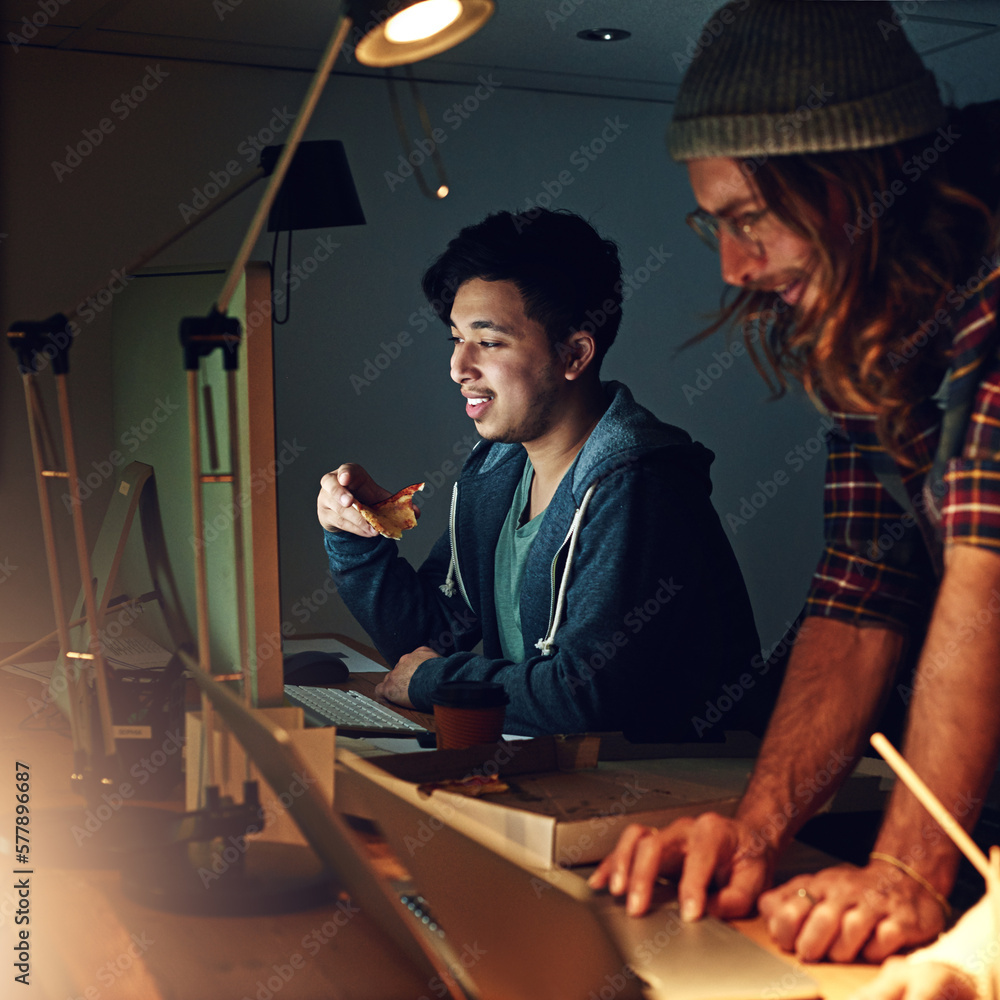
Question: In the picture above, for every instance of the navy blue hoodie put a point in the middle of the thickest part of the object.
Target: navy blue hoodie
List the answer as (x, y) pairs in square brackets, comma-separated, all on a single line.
[(633, 609)]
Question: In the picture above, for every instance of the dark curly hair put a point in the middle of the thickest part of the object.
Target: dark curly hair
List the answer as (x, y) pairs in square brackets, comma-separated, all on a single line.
[(570, 276)]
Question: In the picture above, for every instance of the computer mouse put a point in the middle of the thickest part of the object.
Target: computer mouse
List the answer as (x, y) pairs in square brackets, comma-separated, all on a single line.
[(311, 666)]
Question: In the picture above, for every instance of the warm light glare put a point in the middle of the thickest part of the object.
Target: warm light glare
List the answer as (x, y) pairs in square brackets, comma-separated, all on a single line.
[(442, 192), (422, 20)]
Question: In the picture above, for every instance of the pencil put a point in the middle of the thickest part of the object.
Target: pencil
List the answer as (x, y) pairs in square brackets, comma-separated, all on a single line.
[(933, 805)]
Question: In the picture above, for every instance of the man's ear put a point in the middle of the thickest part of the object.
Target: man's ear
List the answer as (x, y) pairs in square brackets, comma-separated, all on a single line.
[(577, 353)]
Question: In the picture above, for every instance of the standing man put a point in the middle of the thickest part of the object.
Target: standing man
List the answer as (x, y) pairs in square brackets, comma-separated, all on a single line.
[(584, 551), (855, 214)]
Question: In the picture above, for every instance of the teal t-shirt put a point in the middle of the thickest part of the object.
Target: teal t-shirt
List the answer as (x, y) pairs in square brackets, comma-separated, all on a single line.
[(513, 547)]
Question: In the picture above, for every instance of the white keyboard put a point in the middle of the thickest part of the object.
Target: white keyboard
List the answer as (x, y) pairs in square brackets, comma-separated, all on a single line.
[(348, 710)]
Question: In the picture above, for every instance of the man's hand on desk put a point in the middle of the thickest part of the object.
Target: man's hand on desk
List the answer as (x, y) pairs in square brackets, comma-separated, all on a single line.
[(844, 913), (395, 686), (705, 850), (849, 914)]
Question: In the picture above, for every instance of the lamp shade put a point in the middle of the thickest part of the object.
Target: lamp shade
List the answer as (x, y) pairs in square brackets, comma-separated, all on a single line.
[(318, 191), (417, 29)]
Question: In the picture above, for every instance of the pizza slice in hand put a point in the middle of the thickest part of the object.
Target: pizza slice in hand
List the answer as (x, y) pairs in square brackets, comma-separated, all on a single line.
[(394, 515)]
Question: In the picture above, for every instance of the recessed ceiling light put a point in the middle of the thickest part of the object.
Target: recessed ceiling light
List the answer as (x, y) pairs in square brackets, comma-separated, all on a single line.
[(604, 34)]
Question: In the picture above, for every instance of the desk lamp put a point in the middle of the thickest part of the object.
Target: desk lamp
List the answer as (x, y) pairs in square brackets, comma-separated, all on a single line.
[(419, 29)]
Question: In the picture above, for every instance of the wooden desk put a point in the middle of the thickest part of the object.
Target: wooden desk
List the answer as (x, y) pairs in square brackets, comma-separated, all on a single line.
[(89, 942)]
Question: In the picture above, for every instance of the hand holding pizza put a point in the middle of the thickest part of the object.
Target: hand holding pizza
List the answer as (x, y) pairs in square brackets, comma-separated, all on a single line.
[(350, 500)]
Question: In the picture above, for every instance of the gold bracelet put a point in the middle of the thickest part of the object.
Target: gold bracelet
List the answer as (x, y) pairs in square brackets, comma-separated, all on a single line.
[(916, 876)]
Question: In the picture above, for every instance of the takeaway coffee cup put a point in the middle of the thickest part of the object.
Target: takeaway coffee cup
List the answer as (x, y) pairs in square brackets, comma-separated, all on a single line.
[(467, 713)]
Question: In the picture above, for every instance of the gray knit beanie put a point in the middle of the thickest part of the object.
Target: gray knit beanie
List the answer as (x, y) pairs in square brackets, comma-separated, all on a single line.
[(802, 76)]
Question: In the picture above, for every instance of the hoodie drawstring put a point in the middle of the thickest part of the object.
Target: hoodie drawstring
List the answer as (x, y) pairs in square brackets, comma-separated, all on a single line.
[(547, 644)]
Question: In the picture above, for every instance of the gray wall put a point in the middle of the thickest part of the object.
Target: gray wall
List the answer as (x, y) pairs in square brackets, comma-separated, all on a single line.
[(64, 236)]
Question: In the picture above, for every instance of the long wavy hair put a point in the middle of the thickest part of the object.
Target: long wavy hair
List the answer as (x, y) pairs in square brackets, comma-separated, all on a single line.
[(870, 343)]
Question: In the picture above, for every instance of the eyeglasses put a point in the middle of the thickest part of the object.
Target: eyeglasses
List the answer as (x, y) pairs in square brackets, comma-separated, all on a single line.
[(745, 229)]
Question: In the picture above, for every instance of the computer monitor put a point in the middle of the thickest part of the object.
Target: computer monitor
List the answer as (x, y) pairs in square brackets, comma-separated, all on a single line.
[(151, 425)]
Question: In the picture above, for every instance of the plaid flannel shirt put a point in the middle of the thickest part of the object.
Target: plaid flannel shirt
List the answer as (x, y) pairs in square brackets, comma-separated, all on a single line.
[(879, 561)]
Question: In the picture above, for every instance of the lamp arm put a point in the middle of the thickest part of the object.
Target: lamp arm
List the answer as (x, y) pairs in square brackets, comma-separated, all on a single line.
[(154, 251), (281, 167)]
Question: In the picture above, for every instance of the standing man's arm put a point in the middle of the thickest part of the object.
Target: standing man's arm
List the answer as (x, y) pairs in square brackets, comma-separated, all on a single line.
[(837, 678), (827, 701), (952, 742)]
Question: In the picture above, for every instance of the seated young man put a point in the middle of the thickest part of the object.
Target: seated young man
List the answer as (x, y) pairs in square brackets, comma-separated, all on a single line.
[(583, 552)]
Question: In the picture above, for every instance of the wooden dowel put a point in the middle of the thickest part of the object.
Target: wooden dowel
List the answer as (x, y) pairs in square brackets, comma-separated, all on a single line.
[(993, 891), (933, 805)]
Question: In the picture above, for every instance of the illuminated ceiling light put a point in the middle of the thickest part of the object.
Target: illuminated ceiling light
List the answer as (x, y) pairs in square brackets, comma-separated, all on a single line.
[(604, 34), (422, 29), (422, 20)]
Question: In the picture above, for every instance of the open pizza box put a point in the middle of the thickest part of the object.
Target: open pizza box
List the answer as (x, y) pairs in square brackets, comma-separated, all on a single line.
[(565, 800)]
